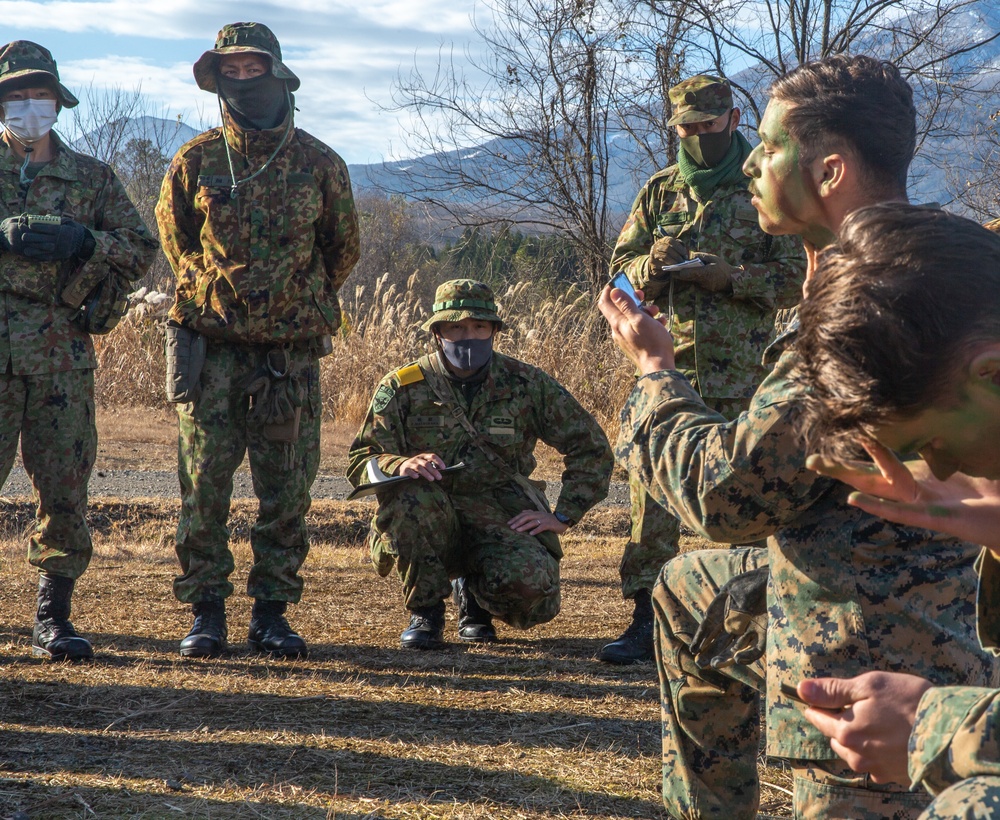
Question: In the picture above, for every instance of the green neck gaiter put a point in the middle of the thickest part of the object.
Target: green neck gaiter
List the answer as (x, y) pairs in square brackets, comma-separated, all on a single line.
[(704, 181)]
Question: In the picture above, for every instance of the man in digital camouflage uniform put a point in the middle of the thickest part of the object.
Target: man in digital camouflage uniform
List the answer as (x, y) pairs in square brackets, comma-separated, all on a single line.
[(722, 314), (487, 524), (889, 363), (258, 222), (845, 592), (67, 227)]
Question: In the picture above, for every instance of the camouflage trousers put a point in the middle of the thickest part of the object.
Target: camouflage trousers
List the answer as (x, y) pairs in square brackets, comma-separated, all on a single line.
[(53, 415), (433, 536), (213, 437), (711, 719), (977, 798), (655, 535)]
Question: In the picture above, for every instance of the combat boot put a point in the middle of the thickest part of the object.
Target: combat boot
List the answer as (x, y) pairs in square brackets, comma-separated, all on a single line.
[(270, 633), (475, 624), (207, 638), (426, 629), (635, 644), (53, 636)]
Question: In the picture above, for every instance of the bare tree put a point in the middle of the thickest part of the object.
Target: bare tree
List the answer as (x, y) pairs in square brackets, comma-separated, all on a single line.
[(523, 136)]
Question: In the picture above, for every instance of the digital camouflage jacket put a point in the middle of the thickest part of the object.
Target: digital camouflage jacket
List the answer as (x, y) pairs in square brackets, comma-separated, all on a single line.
[(516, 406), (37, 332), (957, 731), (719, 338), (263, 267), (848, 592)]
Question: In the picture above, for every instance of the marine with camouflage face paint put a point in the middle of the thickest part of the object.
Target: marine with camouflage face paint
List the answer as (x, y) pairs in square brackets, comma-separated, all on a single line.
[(721, 315), (258, 222), (487, 526), (66, 227), (845, 590)]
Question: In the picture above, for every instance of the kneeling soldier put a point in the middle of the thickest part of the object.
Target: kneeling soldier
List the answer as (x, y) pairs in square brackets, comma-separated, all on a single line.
[(487, 525)]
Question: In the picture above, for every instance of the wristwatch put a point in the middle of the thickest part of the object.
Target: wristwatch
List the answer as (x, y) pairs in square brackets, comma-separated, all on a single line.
[(562, 518)]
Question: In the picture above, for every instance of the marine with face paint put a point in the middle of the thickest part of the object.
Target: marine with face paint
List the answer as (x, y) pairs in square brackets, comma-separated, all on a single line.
[(67, 228), (258, 223), (836, 589), (721, 314), (486, 527)]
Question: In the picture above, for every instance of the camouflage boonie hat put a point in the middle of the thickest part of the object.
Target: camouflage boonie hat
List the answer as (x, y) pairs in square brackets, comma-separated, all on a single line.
[(459, 299), (699, 99), (21, 60), (248, 38)]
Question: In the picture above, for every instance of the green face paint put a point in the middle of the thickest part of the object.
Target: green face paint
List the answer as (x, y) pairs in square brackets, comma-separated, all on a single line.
[(784, 193)]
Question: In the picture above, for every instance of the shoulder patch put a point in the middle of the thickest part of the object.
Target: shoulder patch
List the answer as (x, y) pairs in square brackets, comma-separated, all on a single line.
[(409, 374), (382, 398)]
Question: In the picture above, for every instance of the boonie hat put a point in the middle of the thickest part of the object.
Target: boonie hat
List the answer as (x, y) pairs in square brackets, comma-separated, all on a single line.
[(699, 99), (459, 299), (248, 38), (22, 60)]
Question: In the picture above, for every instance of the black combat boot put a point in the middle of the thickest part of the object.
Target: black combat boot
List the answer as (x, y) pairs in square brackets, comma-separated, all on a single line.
[(53, 636), (475, 624), (635, 644), (426, 629), (270, 633), (207, 638)]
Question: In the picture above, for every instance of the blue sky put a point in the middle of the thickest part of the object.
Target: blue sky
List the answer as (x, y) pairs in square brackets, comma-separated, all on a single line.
[(346, 54)]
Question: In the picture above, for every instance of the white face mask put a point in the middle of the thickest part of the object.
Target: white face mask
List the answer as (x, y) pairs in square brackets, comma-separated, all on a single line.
[(29, 120)]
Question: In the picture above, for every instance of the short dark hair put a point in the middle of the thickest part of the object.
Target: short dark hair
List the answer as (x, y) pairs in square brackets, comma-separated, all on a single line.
[(894, 313), (857, 101)]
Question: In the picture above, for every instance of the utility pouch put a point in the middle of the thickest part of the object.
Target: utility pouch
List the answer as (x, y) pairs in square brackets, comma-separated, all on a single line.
[(185, 353)]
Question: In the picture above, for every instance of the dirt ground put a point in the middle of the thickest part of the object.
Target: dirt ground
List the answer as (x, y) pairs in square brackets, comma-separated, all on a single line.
[(532, 727)]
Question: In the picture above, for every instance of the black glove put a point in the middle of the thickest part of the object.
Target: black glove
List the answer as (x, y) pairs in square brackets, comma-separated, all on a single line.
[(49, 240), (11, 230), (735, 626)]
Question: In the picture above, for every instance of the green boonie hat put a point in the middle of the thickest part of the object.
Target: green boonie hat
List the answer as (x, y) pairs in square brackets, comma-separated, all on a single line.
[(22, 59), (699, 99), (236, 38), (459, 299)]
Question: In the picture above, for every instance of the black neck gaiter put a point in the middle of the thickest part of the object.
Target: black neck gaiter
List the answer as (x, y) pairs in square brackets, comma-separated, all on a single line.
[(258, 103)]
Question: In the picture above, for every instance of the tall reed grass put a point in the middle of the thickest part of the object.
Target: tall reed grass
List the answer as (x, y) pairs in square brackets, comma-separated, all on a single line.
[(563, 334)]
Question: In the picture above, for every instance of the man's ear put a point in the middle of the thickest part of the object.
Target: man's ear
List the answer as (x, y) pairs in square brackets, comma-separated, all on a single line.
[(830, 174), (984, 369), (735, 121)]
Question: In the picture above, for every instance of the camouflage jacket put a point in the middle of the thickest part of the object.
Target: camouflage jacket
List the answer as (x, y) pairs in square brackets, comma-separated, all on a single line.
[(37, 332), (848, 592), (516, 406), (718, 337), (266, 266), (957, 731)]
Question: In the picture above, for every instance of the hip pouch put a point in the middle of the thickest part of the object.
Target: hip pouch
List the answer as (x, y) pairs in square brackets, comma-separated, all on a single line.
[(185, 353)]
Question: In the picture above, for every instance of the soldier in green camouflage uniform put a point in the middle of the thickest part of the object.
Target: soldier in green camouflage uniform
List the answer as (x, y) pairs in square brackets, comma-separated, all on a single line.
[(47, 398), (845, 590), (257, 220), (721, 315), (486, 524)]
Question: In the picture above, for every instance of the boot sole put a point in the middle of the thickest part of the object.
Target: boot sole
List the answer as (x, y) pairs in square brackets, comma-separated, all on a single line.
[(423, 645), (41, 652), (260, 649), (479, 639), (618, 660), (201, 653)]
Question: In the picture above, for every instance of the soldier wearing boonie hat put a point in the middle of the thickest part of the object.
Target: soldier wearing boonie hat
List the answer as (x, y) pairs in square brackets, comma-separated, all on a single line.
[(258, 222), (484, 533), (721, 312), (68, 233)]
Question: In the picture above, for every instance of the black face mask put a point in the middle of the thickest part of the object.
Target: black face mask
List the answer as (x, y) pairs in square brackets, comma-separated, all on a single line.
[(260, 102), (708, 150)]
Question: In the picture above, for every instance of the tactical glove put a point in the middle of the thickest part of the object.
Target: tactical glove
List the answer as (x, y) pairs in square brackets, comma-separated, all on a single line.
[(715, 275), (665, 251), (735, 626), (11, 230), (49, 239)]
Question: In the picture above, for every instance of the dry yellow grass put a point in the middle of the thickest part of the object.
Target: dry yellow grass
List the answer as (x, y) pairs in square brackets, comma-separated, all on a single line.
[(530, 728)]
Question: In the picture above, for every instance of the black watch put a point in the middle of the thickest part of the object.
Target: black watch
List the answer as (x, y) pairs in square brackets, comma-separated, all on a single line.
[(562, 518)]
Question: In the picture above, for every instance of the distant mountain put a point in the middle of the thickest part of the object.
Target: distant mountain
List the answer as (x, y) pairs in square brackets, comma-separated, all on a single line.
[(167, 135)]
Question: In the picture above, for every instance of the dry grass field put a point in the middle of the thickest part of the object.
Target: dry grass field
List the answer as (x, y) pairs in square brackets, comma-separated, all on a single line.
[(532, 727)]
